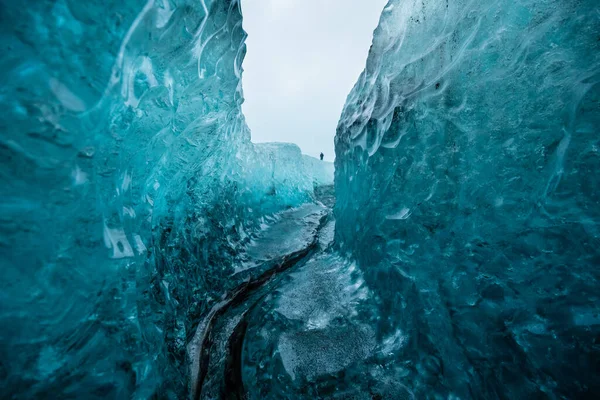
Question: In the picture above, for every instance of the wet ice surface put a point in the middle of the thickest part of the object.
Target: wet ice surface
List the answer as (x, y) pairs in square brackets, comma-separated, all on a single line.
[(312, 337), (313, 353), (281, 244), (292, 231), (317, 299), (321, 291), (326, 235), (307, 331)]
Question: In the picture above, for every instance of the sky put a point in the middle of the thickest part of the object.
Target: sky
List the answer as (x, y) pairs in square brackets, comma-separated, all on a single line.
[(303, 58)]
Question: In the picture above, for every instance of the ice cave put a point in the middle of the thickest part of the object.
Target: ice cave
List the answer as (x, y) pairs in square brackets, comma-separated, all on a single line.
[(150, 250)]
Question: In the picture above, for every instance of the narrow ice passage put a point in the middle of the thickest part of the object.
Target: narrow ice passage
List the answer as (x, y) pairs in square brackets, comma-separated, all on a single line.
[(294, 237), (150, 250)]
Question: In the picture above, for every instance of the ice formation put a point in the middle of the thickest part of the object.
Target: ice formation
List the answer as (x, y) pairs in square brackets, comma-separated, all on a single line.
[(149, 250), (467, 189), (129, 183), (280, 173)]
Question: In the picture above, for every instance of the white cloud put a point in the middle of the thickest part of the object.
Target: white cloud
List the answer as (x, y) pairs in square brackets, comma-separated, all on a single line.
[(303, 58)]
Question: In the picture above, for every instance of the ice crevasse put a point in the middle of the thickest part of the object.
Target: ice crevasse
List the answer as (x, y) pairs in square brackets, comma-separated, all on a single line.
[(466, 202)]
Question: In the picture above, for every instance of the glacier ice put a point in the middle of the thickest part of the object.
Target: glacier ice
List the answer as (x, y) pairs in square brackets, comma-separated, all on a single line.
[(129, 183), (279, 174), (150, 250), (467, 190)]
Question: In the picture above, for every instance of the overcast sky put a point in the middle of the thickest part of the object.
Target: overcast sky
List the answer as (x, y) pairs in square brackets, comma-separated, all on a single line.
[(303, 58)]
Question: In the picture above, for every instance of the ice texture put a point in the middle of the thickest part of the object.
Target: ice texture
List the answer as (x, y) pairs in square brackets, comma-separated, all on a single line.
[(467, 160), (292, 235), (308, 332), (279, 173), (132, 202), (321, 172), (128, 181)]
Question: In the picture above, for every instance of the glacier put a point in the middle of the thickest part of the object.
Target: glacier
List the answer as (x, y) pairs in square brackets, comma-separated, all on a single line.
[(467, 191), (149, 249)]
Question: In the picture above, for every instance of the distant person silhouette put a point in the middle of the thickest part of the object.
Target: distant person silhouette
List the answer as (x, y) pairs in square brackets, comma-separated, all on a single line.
[(321, 156)]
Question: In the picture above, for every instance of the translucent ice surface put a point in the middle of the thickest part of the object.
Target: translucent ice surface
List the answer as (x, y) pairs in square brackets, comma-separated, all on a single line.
[(467, 189), (309, 329), (128, 182), (148, 249), (278, 173)]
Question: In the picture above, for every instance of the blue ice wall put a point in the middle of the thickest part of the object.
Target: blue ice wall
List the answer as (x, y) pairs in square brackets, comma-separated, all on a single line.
[(292, 175), (467, 187), (125, 190), (322, 172)]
